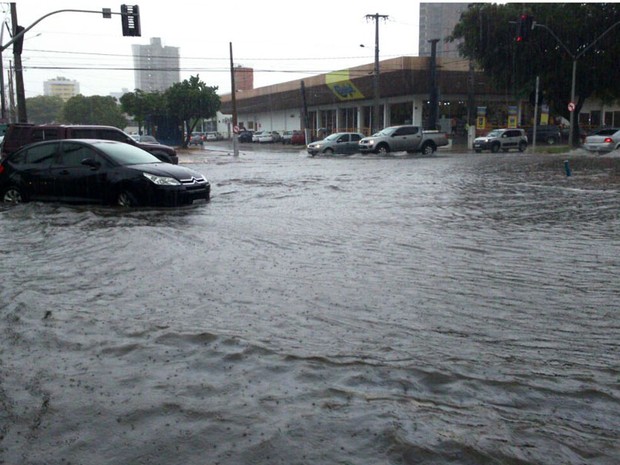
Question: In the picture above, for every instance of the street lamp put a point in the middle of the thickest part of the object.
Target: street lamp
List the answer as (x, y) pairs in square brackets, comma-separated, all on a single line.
[(574, 57)]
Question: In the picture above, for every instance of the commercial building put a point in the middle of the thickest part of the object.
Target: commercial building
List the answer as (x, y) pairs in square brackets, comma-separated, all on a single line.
[(156, 67), (343, 100), (61, 87)]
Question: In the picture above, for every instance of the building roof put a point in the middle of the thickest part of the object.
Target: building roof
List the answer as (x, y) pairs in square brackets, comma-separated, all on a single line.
[(398, 77)]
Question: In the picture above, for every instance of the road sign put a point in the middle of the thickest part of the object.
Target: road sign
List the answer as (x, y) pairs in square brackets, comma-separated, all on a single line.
[(571, 106), (236, 129)]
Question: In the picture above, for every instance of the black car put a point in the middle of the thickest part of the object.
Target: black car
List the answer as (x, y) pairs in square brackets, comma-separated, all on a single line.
[(246, 136), (545, 134), (97, 171)]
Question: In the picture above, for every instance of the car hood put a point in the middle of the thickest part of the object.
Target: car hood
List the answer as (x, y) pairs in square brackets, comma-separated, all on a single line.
[(167, 169)]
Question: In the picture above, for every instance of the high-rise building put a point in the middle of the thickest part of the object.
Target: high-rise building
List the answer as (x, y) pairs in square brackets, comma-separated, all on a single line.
[(437, 21), (61, 87), (156, 68)]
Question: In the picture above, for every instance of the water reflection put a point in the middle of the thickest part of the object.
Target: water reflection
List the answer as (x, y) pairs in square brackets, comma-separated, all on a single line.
[(456, 309)]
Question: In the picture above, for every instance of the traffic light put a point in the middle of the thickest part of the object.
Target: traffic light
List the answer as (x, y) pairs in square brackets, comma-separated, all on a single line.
[(524, 26), (130, 20)]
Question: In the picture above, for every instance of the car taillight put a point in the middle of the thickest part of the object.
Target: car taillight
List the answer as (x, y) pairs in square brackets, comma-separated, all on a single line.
[(608, 140)]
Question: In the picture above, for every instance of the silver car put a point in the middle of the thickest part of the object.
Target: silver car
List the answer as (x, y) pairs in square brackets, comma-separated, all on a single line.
[(340, 142), (603, 140)]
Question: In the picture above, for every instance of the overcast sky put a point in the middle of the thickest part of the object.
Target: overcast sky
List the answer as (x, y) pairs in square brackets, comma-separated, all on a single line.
[(281, 40)]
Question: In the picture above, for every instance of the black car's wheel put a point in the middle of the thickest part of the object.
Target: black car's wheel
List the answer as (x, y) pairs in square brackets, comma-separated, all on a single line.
[(382, 149), (522, 146), (14, 194), (495, 148), (328, 151), (478, 150), (126, 199)]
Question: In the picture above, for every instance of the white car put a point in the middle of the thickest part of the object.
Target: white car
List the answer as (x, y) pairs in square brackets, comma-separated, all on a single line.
[(256, 135), (269, 137), (603, 140)]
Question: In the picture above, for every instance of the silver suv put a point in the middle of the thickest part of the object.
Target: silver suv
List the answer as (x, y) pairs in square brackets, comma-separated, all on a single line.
[(502, 139)]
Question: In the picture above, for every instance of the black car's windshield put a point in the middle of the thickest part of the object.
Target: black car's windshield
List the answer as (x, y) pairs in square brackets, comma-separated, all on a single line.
[(125, 154)]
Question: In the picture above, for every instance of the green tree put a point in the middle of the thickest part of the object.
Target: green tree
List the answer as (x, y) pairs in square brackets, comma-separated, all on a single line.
[(488, 33), (44, 109), (94, 110), (145, 107), (191, 100)]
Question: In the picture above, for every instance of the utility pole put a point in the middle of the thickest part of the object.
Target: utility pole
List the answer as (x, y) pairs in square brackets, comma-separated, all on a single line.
[(22, 117), (375, 86), (130, 21), (233, 92)]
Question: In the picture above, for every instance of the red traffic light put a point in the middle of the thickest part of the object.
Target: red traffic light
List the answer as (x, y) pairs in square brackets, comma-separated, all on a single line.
[(524, 26)]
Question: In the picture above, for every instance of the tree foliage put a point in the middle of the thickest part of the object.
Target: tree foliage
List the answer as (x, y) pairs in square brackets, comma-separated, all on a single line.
[(185, 102), (145, 107), (94, 110), (563, 32), (191, 100), (44, 109)]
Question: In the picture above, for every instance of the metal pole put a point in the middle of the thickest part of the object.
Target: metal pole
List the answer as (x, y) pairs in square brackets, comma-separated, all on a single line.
[(235, 140), (572, 99), (375, 104), (434, 97), (535, 115)]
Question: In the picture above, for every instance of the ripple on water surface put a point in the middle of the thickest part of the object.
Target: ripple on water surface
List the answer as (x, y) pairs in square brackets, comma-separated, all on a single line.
[(362, 310)]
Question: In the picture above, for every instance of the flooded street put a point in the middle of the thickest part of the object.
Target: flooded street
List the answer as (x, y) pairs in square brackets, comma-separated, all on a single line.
[(457, 309)]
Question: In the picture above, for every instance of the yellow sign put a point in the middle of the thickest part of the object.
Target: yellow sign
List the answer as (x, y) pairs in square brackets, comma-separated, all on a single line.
[(481, 122), (341, 85), (512, 121)]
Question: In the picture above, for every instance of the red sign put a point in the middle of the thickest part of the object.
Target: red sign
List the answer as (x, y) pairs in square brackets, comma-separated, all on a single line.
[(236, 129), (571, 106)]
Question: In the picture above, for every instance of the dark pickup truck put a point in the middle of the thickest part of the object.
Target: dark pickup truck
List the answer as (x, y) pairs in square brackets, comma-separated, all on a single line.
[(20, 134)]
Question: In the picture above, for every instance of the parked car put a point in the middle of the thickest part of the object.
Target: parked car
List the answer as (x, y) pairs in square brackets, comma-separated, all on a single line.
[(502, 139), (21, 134), (148, 139), (97, 171), (197, 138), (213, 136), (339, 142), (245, 136), (298, 138), (603, 140), (287, 137), (257, 135), (545, 134), (269, 137)]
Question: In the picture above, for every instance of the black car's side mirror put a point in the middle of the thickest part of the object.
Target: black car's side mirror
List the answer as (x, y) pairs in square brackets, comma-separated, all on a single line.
[(92, 163)]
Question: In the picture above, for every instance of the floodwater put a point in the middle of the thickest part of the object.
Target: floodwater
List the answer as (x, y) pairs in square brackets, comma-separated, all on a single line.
[(457, 309)]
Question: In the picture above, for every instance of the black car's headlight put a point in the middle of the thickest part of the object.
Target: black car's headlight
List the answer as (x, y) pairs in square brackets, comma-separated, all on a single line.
[(161, 180)]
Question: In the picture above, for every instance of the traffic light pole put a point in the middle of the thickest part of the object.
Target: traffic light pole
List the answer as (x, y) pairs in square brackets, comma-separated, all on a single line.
[(18, 35), (575, 58)]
